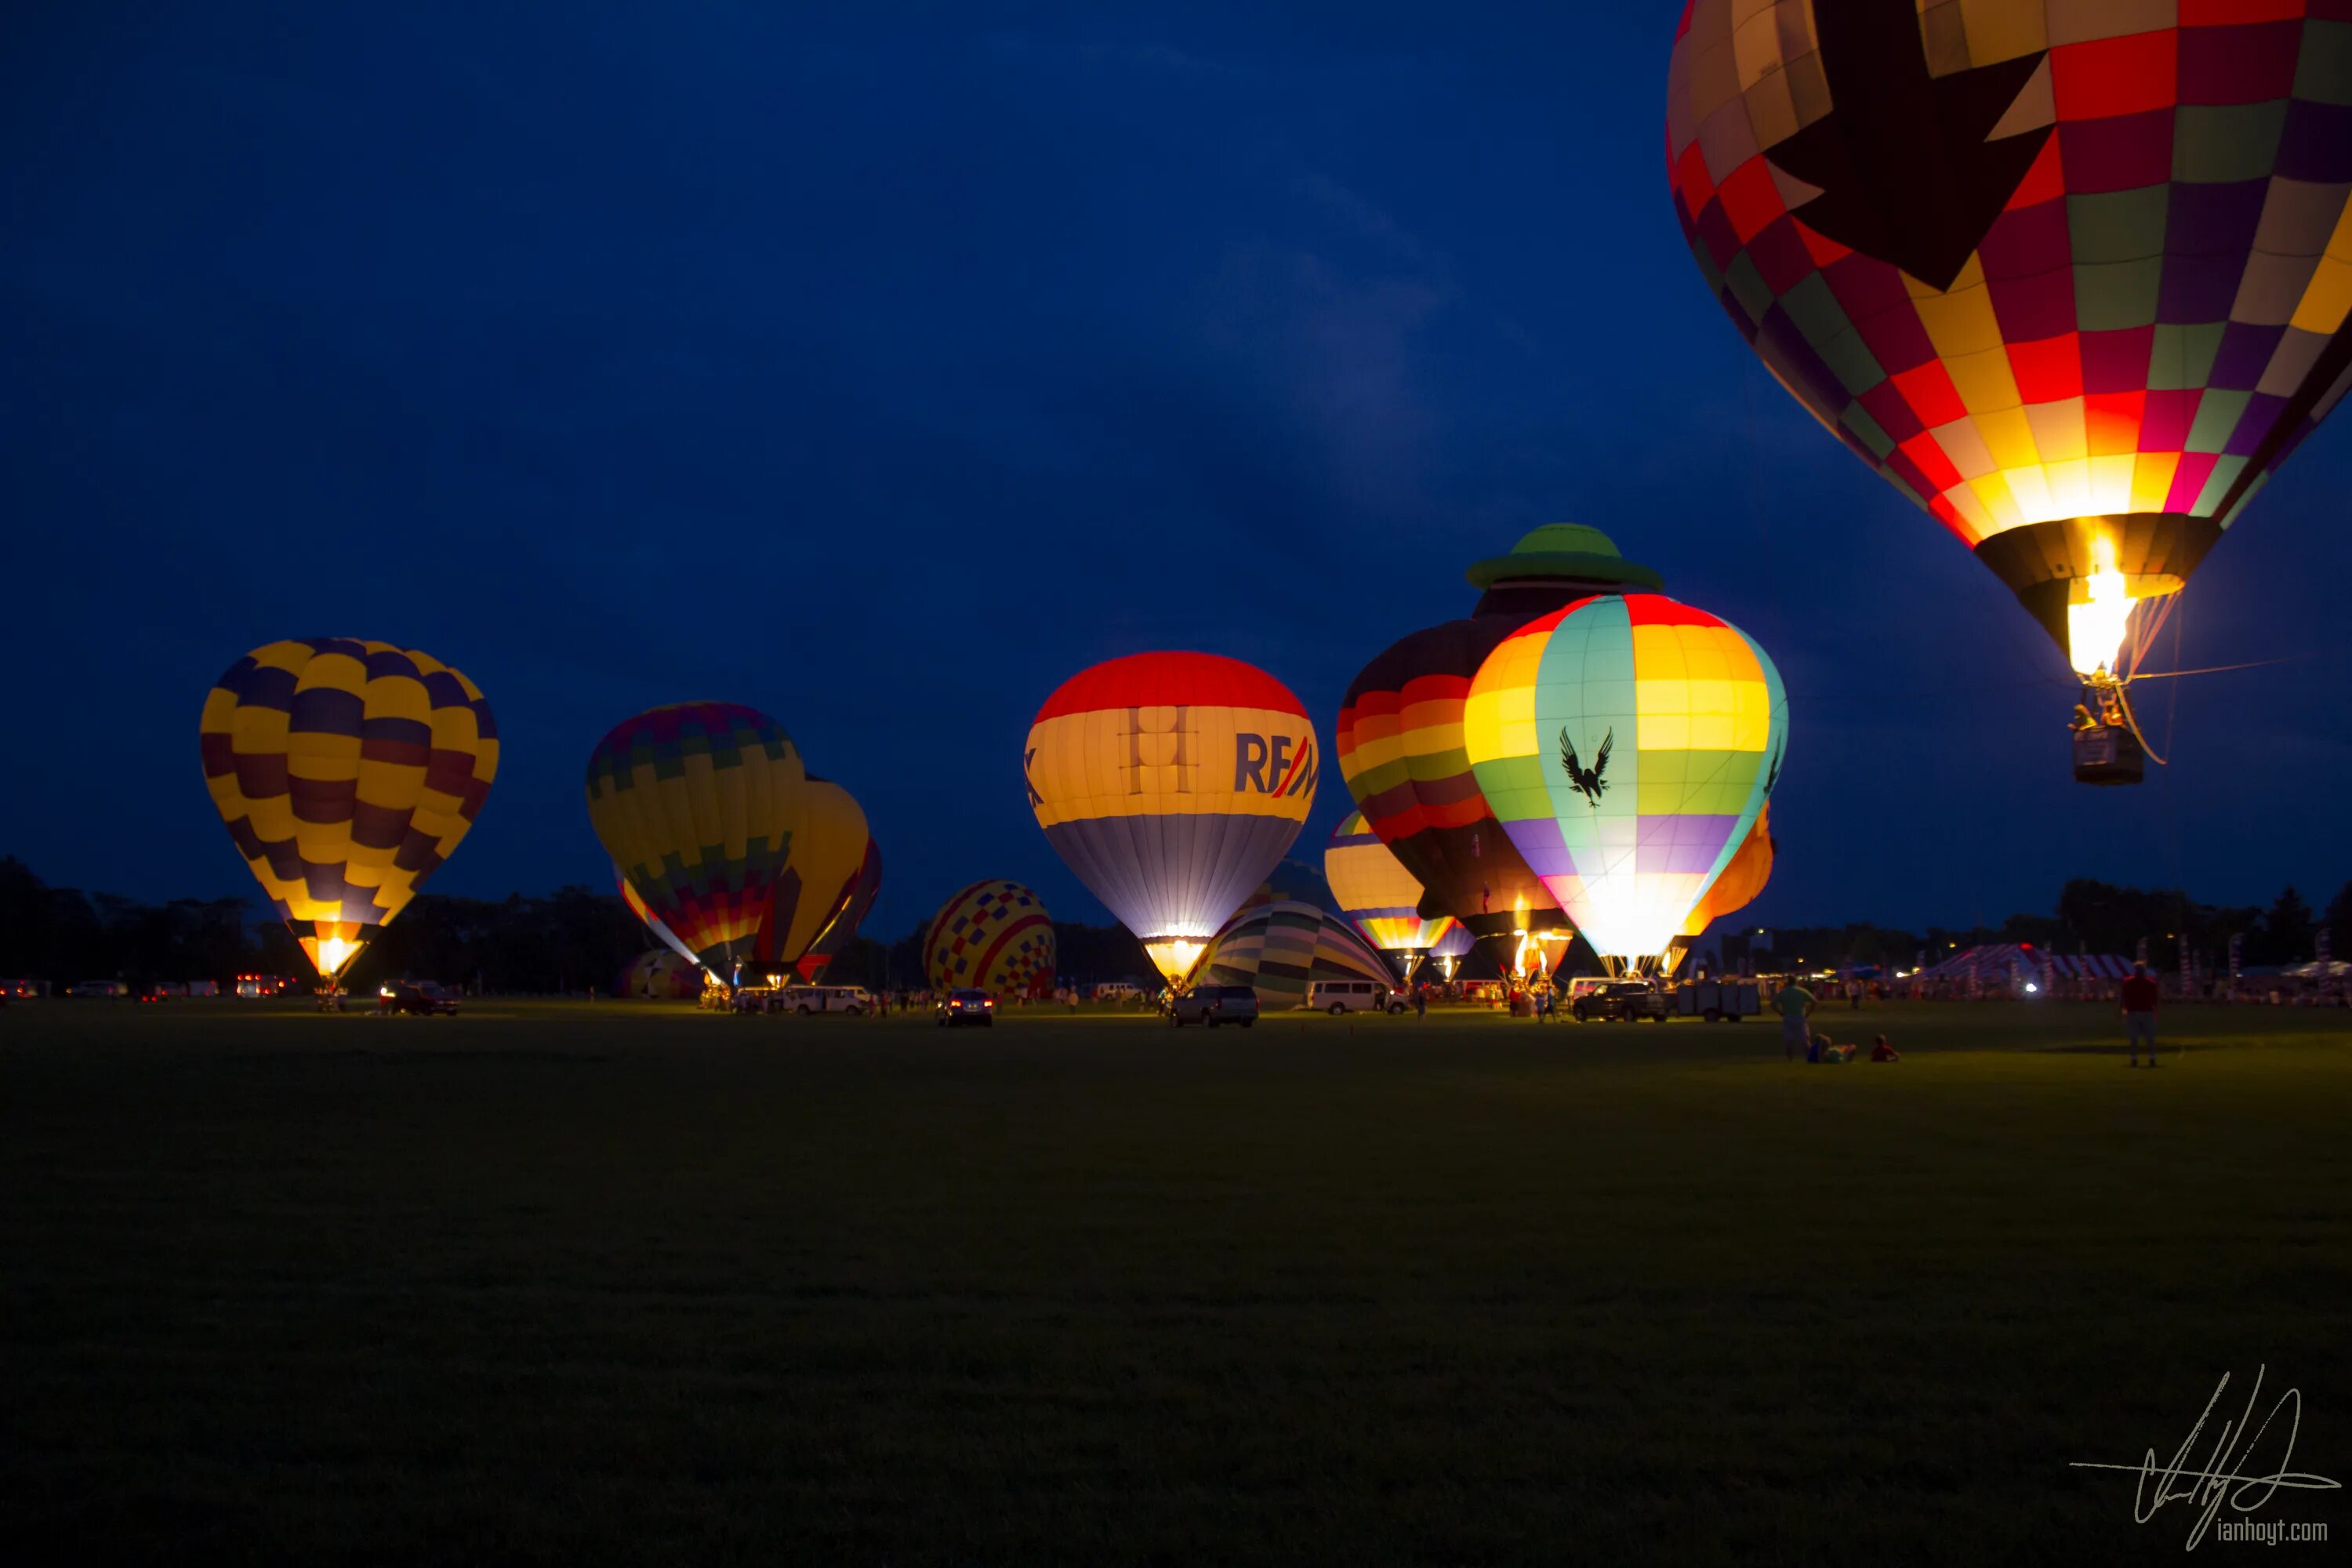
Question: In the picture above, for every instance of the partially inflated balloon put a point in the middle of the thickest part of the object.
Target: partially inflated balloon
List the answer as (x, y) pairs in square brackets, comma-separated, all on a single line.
[(2073, 276), (1627, 744), (661, 976), (993, 936), (1171, 783), (1280, 949), (696, 803), (347, 772), (1400, 735), (1741, 880), (819, 878), (1375, 891), (843, 929)]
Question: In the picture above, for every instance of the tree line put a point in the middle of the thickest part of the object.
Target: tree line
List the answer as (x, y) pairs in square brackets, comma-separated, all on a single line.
[(577, 938)]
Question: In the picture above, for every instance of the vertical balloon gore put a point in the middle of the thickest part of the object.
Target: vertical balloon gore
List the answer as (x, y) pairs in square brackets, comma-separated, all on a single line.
[(347, 772)]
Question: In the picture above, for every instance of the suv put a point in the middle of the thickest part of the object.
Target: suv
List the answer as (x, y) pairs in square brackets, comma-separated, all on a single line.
[(807, 999), (968, 1006), (1628, 1000), (1214, 1005), (1337, 997), (425, 997)]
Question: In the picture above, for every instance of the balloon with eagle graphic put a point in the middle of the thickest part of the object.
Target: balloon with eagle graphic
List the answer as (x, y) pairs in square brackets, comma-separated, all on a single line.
[(993, 936), (346, 772), (1400, 738), (696, 803), (1628, 744), (1171, 783), (2073, 278)]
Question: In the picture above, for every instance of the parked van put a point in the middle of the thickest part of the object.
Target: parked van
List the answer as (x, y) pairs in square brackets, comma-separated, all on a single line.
[(853, 999), (1337, 996)]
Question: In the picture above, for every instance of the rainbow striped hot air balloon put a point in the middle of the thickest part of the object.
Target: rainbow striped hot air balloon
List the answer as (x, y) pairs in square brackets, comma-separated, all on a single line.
[(1373, 889), (993, 936), (1171, 783), (1628, 744), (698, 804), (347, 772)]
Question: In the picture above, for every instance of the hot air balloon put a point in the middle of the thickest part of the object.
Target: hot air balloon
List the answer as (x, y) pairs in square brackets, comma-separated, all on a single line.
[(697, 804), (843, 929), (1451, 948), (1171, 783), (2071, 277), (1628, 744), (1734, 891), (1279, 949), (347, 771), (661, 974), (819, 879), (1400, 738), (1375, 891), (993, 936)]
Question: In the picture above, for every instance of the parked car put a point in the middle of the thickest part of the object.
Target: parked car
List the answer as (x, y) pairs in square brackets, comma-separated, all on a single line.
[(1337, 997), (967, 1007), (1214, 1005), (852, 999), (422, 996), (1622, 1000), (154, 991), (101, 988), (22, 989)]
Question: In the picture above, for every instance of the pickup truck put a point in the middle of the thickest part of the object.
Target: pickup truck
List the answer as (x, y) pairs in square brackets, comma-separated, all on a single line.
[(1631, 1000)]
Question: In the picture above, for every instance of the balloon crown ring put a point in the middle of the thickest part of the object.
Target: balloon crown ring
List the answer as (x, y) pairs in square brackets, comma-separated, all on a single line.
[(1569, 549)]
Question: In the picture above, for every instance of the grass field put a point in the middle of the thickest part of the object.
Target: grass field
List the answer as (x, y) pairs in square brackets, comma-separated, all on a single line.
[(554, 1281)]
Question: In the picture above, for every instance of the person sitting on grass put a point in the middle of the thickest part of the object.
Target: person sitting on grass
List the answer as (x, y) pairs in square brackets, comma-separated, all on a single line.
[(1822, 1049), (1880, 1051)]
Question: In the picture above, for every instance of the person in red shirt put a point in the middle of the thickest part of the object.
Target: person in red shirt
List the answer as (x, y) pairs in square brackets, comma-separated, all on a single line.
[(1880, 1051), (2140, 997)]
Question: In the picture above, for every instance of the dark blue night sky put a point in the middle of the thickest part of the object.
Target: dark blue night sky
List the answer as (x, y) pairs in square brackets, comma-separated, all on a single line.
[(880, 368)]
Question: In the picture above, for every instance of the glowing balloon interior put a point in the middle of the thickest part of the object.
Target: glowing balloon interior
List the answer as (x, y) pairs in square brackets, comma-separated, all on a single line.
[(1627, 744), (347, 772)]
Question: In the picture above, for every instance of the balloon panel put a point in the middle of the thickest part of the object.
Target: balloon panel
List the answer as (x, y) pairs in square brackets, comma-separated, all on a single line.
[(1374, 890), (1400, 750), (843, 929), (1741, 881), (993, 936), (2031, 259), (652, 922), (1627, 744), (347, 771), (1171, 783), (820, 876), (697, 804)]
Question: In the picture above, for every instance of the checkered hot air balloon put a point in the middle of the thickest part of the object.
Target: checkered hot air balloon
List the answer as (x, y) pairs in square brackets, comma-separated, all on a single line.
[(1171, 783), (347, 772), (699, 804), (1627, 744), (993, 936), (2073, 276)]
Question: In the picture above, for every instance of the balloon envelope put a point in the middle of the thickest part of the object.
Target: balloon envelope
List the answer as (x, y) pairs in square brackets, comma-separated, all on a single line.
[(347, 772), (1278, 949), (1627, 744), (2071, 277), (697, 804), (1171, 783), (820, 877), (1374, 890), (993, 936), (843, 929)]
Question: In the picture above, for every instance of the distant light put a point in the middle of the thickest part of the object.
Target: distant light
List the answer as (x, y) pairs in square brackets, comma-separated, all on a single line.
[(2030, 988)]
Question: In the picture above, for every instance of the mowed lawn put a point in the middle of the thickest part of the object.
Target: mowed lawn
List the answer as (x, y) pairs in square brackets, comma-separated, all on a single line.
[(562, 1281)]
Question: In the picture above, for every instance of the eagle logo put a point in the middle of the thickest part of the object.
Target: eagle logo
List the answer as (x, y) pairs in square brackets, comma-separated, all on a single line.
[(1590, 783)]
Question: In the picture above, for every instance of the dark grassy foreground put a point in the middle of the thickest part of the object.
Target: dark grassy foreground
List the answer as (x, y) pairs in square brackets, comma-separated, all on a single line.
[(557, 1281)]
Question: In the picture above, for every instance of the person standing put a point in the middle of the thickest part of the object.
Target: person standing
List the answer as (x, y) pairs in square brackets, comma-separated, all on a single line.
[(1795, 1006), (2139, 994)]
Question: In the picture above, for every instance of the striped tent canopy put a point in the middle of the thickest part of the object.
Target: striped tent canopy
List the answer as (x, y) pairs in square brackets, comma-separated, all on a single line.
[(1999, 961)]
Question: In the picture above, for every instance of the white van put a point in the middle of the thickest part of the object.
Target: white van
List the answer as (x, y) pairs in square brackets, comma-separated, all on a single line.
[(854, 999), (1337, 997)]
